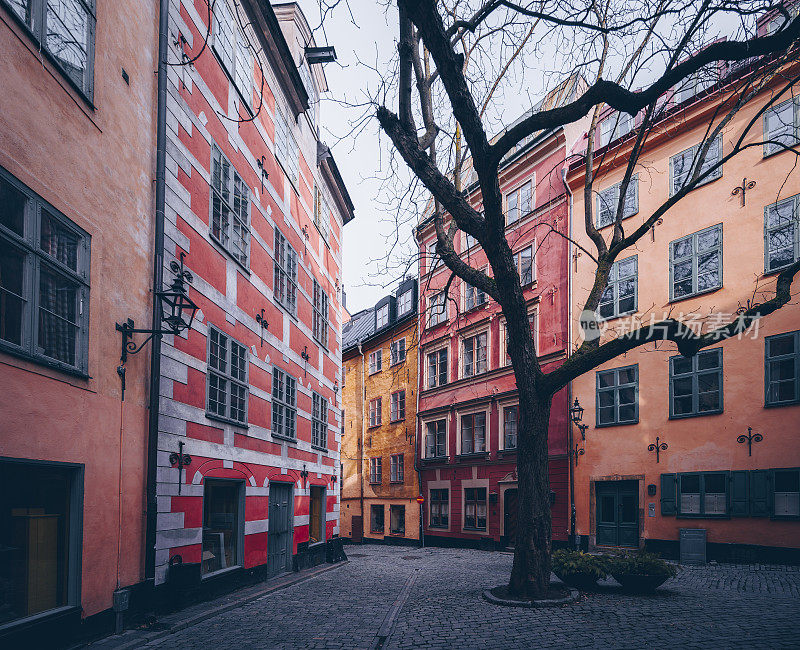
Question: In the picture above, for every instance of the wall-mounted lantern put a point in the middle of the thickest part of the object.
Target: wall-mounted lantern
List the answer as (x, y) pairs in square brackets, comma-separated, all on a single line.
[(576, 414), (304, 474)]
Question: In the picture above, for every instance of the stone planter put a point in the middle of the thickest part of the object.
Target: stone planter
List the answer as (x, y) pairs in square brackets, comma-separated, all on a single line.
[(640, 584), (579, 581)]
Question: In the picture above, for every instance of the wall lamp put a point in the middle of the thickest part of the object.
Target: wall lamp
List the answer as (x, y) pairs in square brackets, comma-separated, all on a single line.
[(304, 474), (576, 414)]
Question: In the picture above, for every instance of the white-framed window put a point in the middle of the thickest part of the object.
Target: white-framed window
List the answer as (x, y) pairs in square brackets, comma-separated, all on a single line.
[(285, 290), (286, 149), (524, 260), (683, 164), (397, 351), (436, 438), (473, 297), (432, 257), (695, 263), (533, 322), (697, 82), (469, 241), (284, 404), (474, 354), (620, 294), (320, 316), (376, 474), (321, 214), (520, 201), (398, 406), (782, 233), (233, 50), (44, 280), (509, 425), (375, 361), (437, 309), (475, 508), (439, 508), (472, 432), (396, 468), (382, 316), (437, 367), (375, 412), (227, 387), (608, 199), (703, 494), (311, 90), (230, 208), (787, 493), (405, 303), (614, 127), (319, 421)]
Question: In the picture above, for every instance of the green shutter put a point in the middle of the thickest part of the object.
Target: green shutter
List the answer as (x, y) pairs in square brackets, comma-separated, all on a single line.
[(740, 506), (668, 494), (759, 493)]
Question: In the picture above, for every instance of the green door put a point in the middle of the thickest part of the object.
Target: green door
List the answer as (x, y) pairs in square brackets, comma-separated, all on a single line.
[(618, 513)]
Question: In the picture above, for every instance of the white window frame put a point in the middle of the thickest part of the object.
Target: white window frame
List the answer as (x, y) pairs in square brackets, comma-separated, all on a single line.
[(533, 317), (405, 303), (397, 410), (483, 410), (376, 470), (375, 361), (436, 351), (518, 263), (462, 353), (319, 422), (516, 192), (501, 412), (466, 485), (321, 214), (470, 294), (375, 412), (287, 153), (382, 316), (397, 351), (285, 274), (320, 315), (614, 127), (432, 420), (397, 468), (437, 309)]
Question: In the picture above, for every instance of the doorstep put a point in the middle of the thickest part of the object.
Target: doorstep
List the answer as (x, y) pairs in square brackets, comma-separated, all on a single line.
[(177, 621)]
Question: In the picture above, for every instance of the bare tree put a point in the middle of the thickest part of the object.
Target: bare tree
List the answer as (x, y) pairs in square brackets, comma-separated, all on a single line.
[(443, 87)]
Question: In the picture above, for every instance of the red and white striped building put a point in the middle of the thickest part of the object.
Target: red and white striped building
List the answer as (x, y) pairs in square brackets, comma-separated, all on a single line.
[(257, 204)]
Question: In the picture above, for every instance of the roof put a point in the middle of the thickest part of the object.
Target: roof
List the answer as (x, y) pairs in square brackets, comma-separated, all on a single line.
[(359, 328), (335, 181)]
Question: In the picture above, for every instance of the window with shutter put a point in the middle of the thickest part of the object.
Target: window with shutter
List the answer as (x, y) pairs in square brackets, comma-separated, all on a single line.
[(786, 493), (703, 494)]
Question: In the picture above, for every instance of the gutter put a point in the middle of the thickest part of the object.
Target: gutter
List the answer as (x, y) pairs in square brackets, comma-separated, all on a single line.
[(361, 446), (158, 281), (572, 512)]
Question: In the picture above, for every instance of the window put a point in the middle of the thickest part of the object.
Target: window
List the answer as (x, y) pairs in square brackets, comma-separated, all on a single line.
[(782, 380), (436, 439), (375, 361), (440, 508), (779, 21), (405, 303), (614, 127), (40, 509), (227, 377), (469, 241), (222, 522), (475, 508), (230, 211), (398, 406), (284, 405), (286, 150), (787, 493), (703, 494), (473, 297), (376, 518), (396, 466), (397, 520), (782, 233), (619, 297), (473, 433), (44, 281), (397, 351), (285, 274), (523, 260), (519, 202), (375, 473), (382, 316), (695, 263), (437, 368), (375, 412), (473, 360), (695, 384), (311, 91), (321, 212), (316, 515), (697, 82), (320, 324), (65, 29), (231, 46), (608, 200), (437, 309), (319, 421), (781, 126), (433, 258), (618, 396), (683, 164), (510, 426)]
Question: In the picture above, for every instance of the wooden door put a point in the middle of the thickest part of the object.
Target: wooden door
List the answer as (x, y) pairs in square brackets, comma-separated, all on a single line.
[(510, 507), (279, 537), (618, 513), (357, 533)]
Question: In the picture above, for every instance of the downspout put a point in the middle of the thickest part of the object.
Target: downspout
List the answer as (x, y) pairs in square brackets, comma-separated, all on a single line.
[(570, 455), (417, 437), (361, 446), (158, 281)]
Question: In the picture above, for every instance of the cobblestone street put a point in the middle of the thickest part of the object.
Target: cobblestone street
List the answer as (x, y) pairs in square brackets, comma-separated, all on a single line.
[(711, 606)]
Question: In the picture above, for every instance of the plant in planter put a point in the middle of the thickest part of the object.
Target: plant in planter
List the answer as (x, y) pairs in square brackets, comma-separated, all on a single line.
[(579, 569), (641, 572)]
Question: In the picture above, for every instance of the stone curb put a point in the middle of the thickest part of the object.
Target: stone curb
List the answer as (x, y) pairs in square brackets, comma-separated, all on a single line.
[(550, 602), (147, 638)]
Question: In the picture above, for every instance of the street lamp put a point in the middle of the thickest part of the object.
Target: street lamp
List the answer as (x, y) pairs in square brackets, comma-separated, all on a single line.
[(576, 414)]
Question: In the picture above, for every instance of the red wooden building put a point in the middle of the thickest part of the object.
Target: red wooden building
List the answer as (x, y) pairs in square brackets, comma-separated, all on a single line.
[(468, 404)]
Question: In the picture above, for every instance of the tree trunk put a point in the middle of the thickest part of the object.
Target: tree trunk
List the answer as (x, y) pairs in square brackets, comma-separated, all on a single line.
[(530, 575)]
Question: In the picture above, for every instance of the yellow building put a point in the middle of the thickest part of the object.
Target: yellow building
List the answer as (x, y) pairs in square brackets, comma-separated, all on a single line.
[(380, 480)]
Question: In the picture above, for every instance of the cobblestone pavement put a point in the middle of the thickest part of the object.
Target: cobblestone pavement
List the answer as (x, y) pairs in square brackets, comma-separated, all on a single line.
[(721, 606)]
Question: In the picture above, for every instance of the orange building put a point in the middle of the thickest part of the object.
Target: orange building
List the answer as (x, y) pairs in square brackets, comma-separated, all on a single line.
[(379, 358), (663, 450)]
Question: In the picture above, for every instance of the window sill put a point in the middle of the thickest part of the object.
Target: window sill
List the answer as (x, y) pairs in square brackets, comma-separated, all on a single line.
[(376, 483), (432, 527), (282, 437), (473, 455), (372, 427), (769, 272), (398, 482), (324, 450), (672, 301), (608, 225), (376, 532), (618, 316), (469, 310), (700, 516), (397, 533), (434, 459), (695, 415), (784, 517), (396, 421), (397, 363), (777, 405), (13, 351), (615, 424), (467, 529), (222, 418), (507, 452), (374, 372)]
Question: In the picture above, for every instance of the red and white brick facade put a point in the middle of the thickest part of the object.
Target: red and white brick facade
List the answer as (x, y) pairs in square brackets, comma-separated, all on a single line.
[(234, 281)]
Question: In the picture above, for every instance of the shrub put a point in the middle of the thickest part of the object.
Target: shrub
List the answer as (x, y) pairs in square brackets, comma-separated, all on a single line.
[(578, 563), (641, 564)]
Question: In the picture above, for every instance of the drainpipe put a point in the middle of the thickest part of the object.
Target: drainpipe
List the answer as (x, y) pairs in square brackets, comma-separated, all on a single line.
[(158, 281), (361, 447), (572, 513), (417, 437)]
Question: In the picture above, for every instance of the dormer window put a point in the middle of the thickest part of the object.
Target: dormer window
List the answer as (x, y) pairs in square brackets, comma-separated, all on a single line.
[(404, 303), (614, 127), (382, 316)]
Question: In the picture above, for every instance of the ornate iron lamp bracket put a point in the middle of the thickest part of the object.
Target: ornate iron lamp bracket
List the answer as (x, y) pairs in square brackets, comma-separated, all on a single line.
[(181, 460), (658, 447), (750, 438)]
